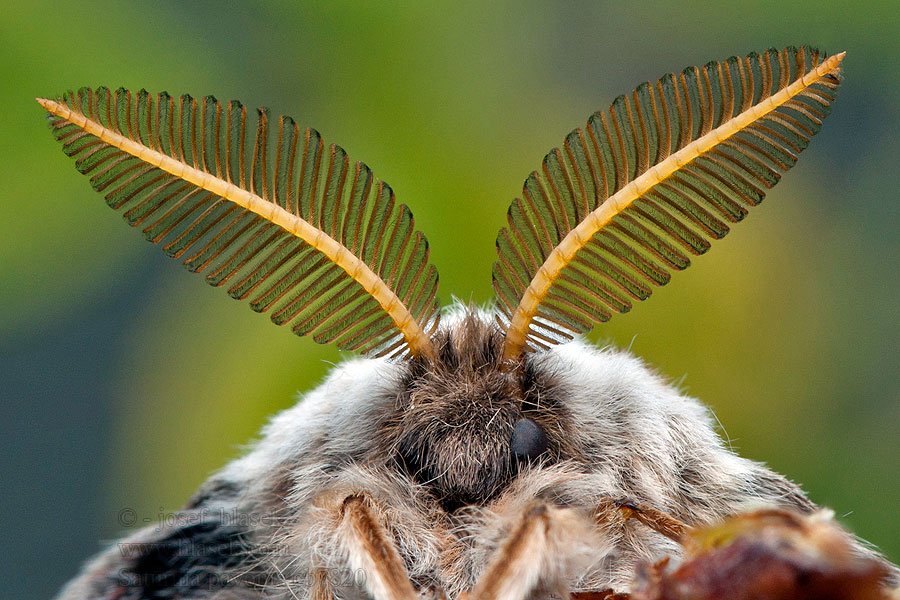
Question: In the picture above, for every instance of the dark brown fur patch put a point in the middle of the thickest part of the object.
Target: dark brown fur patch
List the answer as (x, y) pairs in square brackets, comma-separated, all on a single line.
[(456, 415)]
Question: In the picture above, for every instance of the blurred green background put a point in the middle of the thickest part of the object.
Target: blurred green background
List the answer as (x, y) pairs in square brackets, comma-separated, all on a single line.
[(126, 380)]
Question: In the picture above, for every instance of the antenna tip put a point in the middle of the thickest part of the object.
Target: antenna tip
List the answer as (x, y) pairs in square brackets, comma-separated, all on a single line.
[(832, 63)]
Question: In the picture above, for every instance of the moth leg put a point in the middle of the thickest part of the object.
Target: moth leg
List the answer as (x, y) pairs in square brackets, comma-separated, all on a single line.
[(656, 520), (539, 554), (604, 595), (372, 551), (320, 588)]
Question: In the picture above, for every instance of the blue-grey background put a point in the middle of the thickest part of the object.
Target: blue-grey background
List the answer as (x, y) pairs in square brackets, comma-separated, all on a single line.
[(125, 380)]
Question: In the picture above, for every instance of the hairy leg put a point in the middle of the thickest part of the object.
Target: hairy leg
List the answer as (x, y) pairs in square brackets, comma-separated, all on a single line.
[(543, 551), (609, 510), (372, 551), (320, 587)]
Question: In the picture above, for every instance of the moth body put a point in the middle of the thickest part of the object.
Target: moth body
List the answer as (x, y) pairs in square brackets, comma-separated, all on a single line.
[(427, 446)]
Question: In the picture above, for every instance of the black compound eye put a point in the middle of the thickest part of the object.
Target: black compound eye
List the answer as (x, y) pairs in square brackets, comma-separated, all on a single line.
[(528, 440)]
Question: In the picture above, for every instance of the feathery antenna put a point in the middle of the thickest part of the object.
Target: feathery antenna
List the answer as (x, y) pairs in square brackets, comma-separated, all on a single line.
[(340, 262), (645, 183)]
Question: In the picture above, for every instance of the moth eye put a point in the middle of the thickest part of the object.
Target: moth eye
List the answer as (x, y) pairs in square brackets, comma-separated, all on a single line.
[(528, 440)]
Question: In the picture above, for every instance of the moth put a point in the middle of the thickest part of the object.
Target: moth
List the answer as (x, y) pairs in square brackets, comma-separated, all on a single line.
[(481, 453)]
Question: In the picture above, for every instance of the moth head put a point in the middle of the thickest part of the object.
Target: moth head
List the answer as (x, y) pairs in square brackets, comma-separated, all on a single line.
[(468, 420)]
